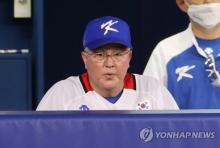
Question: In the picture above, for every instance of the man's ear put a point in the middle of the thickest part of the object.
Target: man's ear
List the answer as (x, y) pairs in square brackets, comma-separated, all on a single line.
[(84, 58), (130, 56), (83, 55), (182, 5)]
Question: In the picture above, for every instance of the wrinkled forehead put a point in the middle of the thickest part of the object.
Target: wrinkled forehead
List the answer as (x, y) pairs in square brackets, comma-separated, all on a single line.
[(111, 46)]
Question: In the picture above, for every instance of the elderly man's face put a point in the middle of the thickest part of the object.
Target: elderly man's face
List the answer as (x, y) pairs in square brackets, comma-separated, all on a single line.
[(107, 66)]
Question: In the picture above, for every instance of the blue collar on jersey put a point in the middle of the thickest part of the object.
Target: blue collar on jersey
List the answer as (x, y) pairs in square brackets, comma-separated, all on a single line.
[(114, 99), (213, 44)]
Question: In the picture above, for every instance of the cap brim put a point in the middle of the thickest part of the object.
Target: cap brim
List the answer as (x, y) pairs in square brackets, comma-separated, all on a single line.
[(102, 42)]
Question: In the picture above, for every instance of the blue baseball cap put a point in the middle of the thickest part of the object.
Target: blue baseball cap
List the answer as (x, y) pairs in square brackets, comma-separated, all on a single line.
[(106, 30)]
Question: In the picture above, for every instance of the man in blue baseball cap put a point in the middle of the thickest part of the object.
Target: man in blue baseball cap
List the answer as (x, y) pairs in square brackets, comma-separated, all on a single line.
[(106, 85)]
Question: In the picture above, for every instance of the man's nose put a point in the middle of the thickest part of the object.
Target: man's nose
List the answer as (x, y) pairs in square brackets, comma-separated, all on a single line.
[(109, 62)]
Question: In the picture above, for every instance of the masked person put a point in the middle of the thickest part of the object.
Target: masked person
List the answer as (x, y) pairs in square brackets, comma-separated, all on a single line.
[(106, 85), (188, 63)]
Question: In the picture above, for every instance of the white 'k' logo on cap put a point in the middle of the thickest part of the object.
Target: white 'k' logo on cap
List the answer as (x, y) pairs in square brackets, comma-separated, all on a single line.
[(107, 26)]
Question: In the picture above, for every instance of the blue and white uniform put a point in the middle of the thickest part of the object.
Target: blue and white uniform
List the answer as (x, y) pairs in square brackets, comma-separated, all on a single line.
[(139, 93), (180, 63)]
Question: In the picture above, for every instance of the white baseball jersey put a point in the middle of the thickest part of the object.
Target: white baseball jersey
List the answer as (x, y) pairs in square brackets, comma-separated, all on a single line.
[(139, 93)]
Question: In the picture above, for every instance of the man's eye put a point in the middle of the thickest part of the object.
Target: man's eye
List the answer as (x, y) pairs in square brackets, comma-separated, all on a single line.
[(99, 54), (118, 54)]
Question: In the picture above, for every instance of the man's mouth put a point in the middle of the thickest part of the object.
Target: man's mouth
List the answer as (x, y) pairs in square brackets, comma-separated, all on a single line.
[(109, 75)]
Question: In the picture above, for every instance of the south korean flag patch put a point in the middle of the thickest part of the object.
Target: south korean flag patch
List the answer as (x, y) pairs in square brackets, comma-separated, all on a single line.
[(144, 105)]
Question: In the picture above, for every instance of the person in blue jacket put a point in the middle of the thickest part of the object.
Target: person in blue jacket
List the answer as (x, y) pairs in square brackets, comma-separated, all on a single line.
[(188, 63)]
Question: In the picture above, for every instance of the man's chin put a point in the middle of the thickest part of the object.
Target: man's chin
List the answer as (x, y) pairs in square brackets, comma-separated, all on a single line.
[(109, 77), (109, 85)]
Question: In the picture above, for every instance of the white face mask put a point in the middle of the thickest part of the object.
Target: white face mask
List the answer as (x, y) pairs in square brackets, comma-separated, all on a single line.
[(206, 15)]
